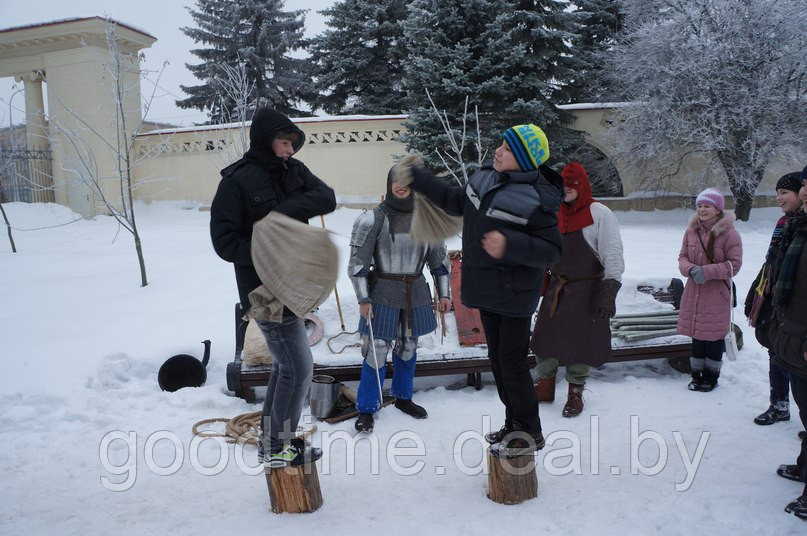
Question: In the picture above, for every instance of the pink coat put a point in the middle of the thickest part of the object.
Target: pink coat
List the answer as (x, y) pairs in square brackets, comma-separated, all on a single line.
[(704, 311)]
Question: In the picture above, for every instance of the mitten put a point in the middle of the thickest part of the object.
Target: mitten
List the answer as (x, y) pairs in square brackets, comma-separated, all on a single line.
[(606, 305), (402, 171), (696, 273)]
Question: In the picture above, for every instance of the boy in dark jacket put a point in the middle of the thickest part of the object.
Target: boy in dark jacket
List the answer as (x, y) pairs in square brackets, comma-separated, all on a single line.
[(509, 237), (268, 179)]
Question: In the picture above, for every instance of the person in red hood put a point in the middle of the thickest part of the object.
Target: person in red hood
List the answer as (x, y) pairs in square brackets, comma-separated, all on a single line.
[(580, 293)]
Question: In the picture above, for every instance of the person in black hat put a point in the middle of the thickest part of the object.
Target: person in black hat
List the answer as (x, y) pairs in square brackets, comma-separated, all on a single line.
[(267, 179), (758, 305)]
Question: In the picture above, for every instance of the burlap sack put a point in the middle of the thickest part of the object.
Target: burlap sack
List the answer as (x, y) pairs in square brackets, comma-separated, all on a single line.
[(255, 350), (430, 224), (296, 263)]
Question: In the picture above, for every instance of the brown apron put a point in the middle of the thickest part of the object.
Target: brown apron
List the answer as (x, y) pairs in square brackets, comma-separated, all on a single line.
[(568, 327)]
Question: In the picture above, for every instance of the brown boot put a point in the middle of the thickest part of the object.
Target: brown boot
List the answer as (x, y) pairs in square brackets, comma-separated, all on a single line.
[(545, 389), (574, 405)]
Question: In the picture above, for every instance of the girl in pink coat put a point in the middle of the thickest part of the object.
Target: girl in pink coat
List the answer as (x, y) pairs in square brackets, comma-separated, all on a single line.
[(711, 254)]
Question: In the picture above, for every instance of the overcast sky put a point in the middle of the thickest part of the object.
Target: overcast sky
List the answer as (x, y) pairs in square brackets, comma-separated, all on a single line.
[(160, 18)]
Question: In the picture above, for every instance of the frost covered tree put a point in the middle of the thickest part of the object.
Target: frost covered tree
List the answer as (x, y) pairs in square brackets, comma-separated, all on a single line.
[(357, 64), (259, 34), (726, 78), (510, 58)]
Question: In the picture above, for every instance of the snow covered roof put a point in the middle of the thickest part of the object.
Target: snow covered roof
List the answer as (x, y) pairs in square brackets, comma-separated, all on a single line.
[(74, 19), (316, 119)]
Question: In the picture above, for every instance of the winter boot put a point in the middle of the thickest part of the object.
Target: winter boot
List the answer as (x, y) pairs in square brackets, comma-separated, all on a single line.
[(497, 436), (790, 472), (711, 372), (574, 403), (545, 389), (411, 409), (798, 507), (518, 443), (295, 452), (365, 422), (773, 415), (697, 373)]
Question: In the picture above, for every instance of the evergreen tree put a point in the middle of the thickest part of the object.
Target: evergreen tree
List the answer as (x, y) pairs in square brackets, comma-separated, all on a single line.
[(600, 22), (511, 58), (256, 33), (357, 64)]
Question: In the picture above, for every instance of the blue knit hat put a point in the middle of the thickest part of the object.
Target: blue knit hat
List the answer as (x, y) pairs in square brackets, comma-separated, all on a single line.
[(529, 145)]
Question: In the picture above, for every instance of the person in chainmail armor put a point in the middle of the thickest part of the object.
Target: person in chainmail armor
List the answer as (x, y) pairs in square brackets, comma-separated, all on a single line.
[(386, 268)]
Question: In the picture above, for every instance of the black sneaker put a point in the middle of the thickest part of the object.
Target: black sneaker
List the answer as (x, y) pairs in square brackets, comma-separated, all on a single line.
[(411, 409), (790, 472), (364, 423), (497, 436), (771, 416), (798, 507), (295, 452), (518, 444)]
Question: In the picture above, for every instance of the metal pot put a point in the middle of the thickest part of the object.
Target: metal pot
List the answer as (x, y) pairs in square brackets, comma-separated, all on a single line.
[(183, 370), (323, 394)]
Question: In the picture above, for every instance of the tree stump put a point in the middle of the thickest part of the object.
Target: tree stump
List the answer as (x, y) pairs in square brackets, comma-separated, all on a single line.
[(294, 489), (512, 480)]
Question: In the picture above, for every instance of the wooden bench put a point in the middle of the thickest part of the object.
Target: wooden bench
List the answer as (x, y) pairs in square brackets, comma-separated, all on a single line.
[(242, 379)]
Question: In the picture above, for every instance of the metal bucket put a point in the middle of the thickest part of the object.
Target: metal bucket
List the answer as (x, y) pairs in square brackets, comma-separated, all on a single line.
[(323, 395)]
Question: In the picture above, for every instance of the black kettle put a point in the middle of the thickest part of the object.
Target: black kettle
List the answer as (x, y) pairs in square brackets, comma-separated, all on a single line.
[(183, 370)]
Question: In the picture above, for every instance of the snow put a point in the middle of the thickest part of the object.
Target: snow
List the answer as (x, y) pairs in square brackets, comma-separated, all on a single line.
[(82, 342)]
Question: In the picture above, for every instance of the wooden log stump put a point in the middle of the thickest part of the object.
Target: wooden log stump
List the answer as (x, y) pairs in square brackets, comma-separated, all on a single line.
[(294, 489), (512, 480)]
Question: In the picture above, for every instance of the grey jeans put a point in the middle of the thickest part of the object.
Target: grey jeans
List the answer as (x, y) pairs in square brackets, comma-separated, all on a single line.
[(292, 368)]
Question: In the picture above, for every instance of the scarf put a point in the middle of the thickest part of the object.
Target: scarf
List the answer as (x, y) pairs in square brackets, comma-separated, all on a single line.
[(577, 214), (794, 236)]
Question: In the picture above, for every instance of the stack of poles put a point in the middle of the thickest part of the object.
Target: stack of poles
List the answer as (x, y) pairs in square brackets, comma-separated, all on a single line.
[(642, 326)]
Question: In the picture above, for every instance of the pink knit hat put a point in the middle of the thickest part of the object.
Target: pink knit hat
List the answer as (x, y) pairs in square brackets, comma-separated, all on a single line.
[(711, 196)]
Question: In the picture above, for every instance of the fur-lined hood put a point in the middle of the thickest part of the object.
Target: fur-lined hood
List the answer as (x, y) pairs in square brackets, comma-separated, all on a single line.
[(724, 222)]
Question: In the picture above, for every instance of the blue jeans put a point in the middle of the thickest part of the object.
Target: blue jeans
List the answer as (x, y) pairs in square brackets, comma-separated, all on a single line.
[(289, 381), (403, 383)]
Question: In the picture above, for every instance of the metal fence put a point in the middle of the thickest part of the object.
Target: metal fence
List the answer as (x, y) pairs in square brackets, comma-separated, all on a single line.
[(26, 176)]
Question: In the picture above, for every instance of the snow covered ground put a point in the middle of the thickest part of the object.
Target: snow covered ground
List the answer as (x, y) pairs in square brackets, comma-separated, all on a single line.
[(91, 445)]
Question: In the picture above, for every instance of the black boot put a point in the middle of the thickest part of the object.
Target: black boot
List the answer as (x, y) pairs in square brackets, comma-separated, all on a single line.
[(365, 422), (710, 377), (496, 437), (518, 443), (411, 409), (697, 381), (790, 472), (772, 415), (798, 507)]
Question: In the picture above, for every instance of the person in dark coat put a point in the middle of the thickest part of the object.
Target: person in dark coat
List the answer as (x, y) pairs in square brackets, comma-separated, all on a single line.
[(268, 179), (509, 237), (759, 306), (788, 332), (581, 291)]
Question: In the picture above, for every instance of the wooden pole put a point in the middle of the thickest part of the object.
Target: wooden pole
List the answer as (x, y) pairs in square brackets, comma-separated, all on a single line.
[(335, 290)]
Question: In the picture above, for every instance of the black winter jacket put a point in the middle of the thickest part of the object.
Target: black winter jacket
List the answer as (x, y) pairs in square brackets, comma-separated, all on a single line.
[(255, 185), (523, 207)]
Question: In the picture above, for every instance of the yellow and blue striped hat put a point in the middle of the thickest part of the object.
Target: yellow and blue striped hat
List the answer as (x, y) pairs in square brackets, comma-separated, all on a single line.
[(529, 145)]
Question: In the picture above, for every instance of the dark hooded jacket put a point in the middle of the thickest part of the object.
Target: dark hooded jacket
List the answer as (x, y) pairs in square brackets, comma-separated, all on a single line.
[(256, 185), (523, 206)]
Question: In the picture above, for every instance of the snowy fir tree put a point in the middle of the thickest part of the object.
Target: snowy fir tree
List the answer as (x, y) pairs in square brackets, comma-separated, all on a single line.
[(259, 34), (511, 59), (714, 77), (357, 63), (600, 22)]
